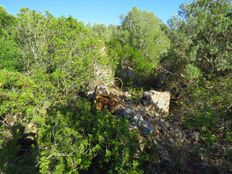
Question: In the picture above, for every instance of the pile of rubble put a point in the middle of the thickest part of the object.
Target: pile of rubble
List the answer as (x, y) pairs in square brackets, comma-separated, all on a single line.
[(150, 114), (141, 114)]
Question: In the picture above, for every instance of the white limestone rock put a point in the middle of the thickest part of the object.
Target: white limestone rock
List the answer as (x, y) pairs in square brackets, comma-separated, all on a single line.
[(161, 101)]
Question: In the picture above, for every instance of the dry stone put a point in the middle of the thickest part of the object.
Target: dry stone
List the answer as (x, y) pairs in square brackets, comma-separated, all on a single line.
[(161, 101), (102, 75)]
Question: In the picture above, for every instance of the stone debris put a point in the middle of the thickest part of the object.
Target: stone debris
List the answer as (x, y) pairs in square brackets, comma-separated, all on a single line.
[(136, 120), (101, 75), (153, 104), (149, 114)]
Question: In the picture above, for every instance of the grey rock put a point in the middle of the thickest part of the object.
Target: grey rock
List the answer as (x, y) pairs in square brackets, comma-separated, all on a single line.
[(136, 120)]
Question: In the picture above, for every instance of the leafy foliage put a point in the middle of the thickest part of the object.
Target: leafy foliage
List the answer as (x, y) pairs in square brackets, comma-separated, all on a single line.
[(69, 137), (197, 70), (9, 56), (138, 44), (45, 127), (80, 141), (203, 37), (61, 47)]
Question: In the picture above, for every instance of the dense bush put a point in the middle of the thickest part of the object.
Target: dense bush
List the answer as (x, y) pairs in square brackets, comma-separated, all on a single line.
[(9, 56), (61, 47), (45, 127), (198, 70), (66, 136), (138, 45)]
